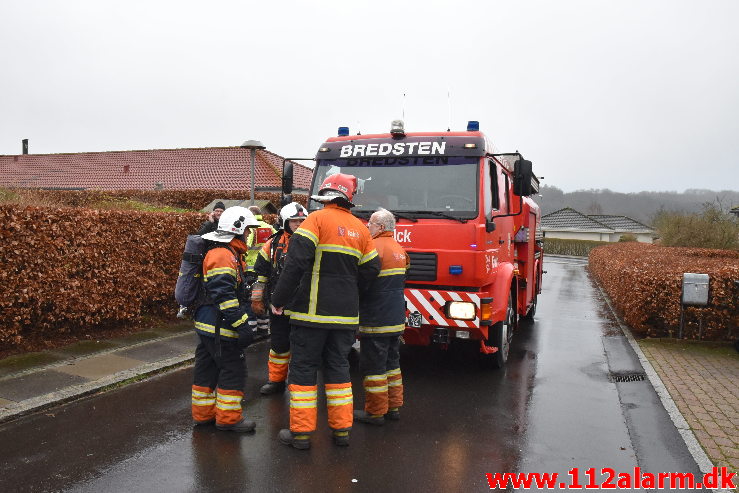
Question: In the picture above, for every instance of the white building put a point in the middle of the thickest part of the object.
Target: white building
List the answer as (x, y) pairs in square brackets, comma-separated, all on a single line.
[(569, 224)]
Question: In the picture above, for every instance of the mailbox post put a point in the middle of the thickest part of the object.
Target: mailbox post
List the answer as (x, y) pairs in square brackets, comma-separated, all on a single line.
[(694, 293)]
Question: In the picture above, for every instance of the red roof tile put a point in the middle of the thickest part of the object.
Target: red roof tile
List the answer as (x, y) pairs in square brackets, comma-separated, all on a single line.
[(224, 168)]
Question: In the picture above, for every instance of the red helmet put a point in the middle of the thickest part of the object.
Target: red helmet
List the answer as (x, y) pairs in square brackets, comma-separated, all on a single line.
[(335, 186)]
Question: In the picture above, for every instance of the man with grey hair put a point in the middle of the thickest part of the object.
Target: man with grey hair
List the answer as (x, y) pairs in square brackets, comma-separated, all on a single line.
[(381, 323)]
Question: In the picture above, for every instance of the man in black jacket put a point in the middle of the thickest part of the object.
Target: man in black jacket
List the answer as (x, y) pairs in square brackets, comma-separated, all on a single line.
[(211, 224)]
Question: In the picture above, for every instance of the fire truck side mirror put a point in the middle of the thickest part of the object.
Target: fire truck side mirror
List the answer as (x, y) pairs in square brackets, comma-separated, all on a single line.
[(287, 182), (524, 181)]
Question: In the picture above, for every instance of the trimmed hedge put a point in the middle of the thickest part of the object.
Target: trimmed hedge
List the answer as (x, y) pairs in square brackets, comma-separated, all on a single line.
[(578, 248), (67, 270), (181, 199), (644, 282)]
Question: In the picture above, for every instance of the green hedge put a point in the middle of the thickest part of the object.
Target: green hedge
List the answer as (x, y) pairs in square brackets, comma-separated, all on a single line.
[(578, 248)]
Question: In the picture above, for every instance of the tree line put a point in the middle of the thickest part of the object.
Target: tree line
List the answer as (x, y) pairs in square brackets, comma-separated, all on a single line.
[(641, 206), (694, 218)]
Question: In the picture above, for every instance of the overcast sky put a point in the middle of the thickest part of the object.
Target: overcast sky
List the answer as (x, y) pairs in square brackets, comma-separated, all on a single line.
[(626, 95)]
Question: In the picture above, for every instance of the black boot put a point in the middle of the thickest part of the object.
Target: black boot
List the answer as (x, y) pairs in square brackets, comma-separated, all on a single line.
[(371, 419), (243, 426), (272, 388), (300, 441), (393, 414), (195, 422), (341, 437)]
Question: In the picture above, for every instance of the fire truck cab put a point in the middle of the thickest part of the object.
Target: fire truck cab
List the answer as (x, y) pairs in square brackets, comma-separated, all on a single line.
[(466, 220)]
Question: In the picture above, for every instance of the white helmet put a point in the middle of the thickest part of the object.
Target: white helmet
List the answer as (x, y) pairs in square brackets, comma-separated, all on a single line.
[(233, 222), (293, 210)]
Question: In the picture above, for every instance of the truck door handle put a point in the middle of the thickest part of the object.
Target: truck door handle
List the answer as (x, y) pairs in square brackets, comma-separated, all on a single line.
[(500, 242)]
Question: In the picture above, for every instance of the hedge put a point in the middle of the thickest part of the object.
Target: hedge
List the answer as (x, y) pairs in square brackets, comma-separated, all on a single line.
[(64, 270), (71, 270), (644, 282), (182, 199), (577, 248)]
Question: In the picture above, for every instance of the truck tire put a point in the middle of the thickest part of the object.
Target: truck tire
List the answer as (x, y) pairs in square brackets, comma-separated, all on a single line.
[(500, 336), (532, 309)]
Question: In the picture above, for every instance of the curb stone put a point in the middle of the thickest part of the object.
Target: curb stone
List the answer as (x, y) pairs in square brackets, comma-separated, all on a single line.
[(102, 352), (73, 392)]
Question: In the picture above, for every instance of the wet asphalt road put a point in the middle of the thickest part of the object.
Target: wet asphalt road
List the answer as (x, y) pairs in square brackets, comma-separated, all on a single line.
[(552, 408)]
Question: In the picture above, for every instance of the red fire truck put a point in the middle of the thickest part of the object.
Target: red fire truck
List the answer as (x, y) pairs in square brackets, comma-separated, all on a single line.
[(465, 218)]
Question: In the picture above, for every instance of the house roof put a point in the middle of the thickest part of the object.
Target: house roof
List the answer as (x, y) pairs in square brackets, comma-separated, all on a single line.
[(223, 168), (570, 220), (621, 223)]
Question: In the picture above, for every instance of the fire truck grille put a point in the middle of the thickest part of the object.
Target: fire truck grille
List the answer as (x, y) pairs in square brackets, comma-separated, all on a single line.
[(423, 266)]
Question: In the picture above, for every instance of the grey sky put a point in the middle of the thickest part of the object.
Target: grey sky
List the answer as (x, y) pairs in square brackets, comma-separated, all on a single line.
[(626, 95)]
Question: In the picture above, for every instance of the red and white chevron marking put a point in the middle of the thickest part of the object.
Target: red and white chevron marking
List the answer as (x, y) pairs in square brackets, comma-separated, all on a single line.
[(433, 311)]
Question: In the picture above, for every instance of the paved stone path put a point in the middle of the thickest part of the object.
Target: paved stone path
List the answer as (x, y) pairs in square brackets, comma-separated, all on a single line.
[(703, 380)]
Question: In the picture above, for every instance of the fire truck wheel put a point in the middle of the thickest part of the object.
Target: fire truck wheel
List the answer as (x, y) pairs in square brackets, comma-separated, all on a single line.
[(500, 336)]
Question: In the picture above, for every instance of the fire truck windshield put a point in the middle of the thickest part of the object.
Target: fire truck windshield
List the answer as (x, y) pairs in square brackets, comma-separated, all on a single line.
[(412, 186)]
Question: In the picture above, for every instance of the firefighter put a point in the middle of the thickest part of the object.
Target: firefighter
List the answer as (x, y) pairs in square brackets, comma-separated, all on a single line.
[(381, 323), (259, 323), (331, 260), (222, 327), (268, 267)]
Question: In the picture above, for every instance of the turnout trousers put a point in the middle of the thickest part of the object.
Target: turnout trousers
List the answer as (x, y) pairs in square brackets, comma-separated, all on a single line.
[(379, 362), (313, 348), (218, 382), (279, 351)]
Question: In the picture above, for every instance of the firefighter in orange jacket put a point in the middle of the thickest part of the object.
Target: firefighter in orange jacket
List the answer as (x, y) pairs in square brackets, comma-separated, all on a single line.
[(331, 259), (381, 323), (268, 267), (221, 325)]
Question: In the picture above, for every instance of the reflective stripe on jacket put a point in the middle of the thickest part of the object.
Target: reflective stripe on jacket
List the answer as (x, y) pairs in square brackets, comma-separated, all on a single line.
[(382, 309), (222, 277), (331, 259)]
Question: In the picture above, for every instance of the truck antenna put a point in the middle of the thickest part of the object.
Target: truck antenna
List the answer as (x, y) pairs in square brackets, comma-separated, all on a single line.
[(359, 128), (402, 108), (449, 104)]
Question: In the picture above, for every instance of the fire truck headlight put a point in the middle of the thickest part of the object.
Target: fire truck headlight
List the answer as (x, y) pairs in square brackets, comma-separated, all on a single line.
[(460, 310)]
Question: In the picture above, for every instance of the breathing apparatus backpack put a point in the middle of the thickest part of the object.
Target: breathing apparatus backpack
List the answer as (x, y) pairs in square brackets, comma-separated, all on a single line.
[(190, 290)]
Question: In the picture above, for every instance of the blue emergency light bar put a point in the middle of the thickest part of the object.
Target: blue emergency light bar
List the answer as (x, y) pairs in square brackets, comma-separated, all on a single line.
[(473, 126), (343, 131), (455, 270)]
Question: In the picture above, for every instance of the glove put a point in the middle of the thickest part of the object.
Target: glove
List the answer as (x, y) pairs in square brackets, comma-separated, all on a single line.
[(245, 337), (257, 306)]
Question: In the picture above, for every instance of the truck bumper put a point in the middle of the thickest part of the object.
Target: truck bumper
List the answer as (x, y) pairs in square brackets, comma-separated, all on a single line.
[(427, 321)]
